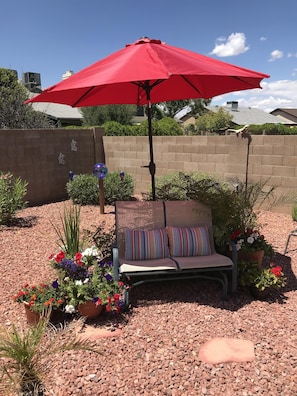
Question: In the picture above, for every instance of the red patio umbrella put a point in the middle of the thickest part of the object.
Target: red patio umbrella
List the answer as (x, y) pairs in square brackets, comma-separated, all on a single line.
[(150, 71)]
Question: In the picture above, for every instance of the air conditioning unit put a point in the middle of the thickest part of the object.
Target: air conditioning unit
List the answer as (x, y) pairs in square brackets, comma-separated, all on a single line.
[(32, 81)]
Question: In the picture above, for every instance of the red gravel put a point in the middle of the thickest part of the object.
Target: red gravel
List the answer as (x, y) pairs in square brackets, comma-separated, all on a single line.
[(157, 351)]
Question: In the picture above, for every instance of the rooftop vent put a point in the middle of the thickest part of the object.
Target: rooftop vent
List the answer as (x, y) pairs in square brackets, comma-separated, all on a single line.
[(67, 74), (233, 104), (32, 81)]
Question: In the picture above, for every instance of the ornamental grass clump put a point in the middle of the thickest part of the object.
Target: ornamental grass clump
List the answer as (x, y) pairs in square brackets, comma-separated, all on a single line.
[(25, 355), (69, 237)]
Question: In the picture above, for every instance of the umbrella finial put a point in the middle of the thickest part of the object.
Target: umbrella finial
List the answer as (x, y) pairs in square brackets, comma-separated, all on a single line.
[(145, 40)]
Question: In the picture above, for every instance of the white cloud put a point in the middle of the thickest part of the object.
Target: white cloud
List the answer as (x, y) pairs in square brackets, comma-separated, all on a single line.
[(281, 93), (291, 55), (233, 45), (263, 38), (276, 54)]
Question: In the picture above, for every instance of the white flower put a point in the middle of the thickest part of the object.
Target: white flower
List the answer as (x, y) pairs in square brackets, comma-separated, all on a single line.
[(239, 244), (78, 282), (86, 280), (69, 309), (250, 240), (91, 251)]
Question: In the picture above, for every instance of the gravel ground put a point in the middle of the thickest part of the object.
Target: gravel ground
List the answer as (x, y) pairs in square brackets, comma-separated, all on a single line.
[(157, 351)]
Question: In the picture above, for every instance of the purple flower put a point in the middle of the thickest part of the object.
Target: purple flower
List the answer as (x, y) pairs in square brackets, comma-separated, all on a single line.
[(55, 284), (108, 277)]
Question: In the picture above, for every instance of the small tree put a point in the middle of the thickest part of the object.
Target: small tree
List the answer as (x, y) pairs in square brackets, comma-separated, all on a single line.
[(14, 114), (213, 122), (98, 115)]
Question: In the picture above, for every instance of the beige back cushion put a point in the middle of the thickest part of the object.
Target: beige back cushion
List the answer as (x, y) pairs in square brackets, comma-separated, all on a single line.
[(189, 214), (137, 215)]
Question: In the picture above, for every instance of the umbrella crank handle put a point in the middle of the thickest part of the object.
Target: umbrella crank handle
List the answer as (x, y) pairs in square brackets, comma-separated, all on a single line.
[(151, 166)]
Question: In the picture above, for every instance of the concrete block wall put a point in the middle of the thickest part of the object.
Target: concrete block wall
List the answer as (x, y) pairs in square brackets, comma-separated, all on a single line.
[(45, 157), (270, 157)]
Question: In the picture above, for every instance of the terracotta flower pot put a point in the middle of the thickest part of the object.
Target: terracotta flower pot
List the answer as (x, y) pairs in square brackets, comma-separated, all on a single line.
[(89, 309), (32, 317), (252, 256)]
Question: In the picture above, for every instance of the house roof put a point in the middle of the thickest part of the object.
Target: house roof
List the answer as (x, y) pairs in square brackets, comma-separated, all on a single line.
[(58, 111), (290, 115), (292, 112), (249, 115)]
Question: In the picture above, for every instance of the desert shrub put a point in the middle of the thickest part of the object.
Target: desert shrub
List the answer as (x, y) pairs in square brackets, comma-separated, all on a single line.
[(116, 189), (83, 190), (12, 192), (232, 203), (175, 185)]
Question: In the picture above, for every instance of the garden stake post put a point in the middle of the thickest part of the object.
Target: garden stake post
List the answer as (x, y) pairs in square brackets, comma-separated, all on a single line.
[(246, 135), (100, 171)]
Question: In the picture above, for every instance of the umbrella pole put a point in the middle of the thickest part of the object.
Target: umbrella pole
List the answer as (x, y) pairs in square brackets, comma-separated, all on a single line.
[(152, 165)]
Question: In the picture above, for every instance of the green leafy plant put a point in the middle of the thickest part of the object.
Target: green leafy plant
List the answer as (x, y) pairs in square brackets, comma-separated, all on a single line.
[(25, 355), (294, 212), (12, 192), (251, 274), (118, 188), (83, 190), (40, 297), (271, 277), (70, 240)]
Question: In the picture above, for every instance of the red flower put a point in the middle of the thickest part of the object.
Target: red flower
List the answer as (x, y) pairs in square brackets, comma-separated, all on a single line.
[(59, 256), (235, 234), (277, 271), (78, 257), (99, 301), (116, 297)]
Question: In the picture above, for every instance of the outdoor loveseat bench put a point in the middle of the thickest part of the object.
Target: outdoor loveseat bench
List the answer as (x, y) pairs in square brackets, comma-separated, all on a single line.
[(168, 240)]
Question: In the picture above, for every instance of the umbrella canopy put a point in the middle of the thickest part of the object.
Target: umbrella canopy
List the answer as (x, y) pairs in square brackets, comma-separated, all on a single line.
[(150, 71)]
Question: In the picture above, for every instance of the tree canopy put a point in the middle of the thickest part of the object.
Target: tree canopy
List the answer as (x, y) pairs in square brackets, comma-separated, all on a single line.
[(14, 114), (98, 115)]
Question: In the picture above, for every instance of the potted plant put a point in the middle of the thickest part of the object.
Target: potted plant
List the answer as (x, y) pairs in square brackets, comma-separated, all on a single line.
[(86, 279), (40, 299), (250, 244), (260, 281)]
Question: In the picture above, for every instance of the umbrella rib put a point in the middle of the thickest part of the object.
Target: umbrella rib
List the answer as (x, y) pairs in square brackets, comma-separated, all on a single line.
[(83, 96), (193, 86)]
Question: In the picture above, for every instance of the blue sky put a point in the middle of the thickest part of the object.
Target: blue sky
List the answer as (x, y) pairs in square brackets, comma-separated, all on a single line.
[(51, 37)]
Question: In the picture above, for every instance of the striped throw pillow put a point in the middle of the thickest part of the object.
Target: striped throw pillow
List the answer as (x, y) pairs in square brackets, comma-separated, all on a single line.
[(146, 244), (190, 241)]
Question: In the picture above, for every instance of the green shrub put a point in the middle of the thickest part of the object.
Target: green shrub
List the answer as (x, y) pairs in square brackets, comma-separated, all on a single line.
[(84, 190), (116, 189), (232, 204), (294, 212), (12, 192)]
